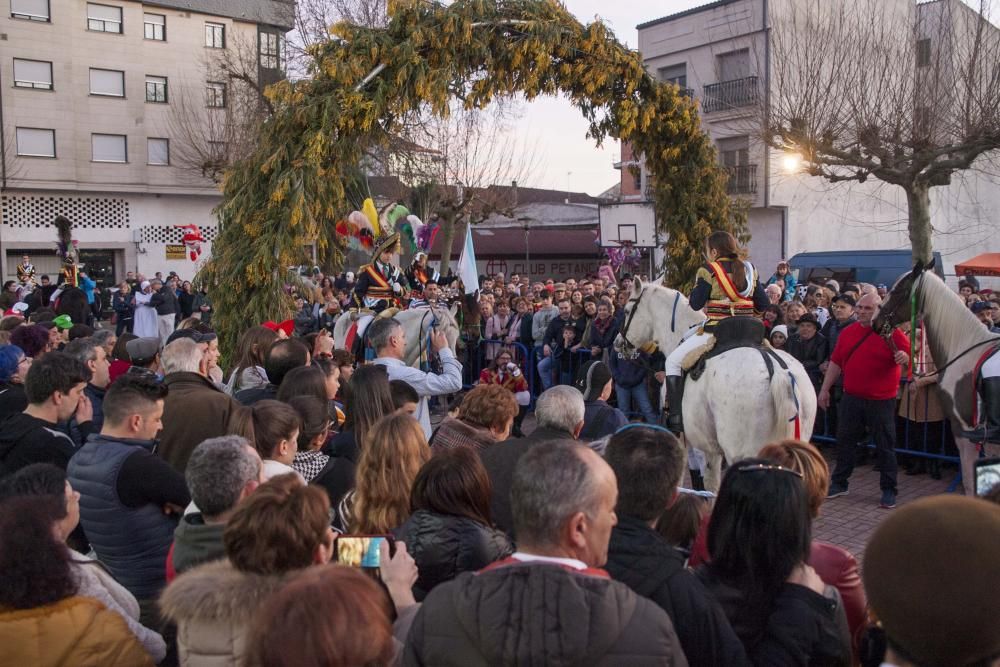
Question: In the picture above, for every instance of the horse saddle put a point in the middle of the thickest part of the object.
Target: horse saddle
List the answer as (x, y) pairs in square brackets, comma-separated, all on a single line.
[(731, 333), (355, 340)]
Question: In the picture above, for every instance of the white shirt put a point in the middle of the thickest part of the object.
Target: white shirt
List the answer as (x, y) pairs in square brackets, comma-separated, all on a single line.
[(566, 562), (274, 468), (426, 384)]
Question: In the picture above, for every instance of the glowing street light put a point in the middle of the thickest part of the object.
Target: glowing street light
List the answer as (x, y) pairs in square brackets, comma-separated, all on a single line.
[(791, 163)]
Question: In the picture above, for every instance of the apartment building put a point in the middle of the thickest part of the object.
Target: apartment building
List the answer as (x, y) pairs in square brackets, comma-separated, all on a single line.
[(98, 102), (723, 54)]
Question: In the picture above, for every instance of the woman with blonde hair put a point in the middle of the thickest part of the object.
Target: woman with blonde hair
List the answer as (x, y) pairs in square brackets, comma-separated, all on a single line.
[(393, 454)]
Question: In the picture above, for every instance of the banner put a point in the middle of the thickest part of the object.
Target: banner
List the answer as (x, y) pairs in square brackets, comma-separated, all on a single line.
[(467, 270)]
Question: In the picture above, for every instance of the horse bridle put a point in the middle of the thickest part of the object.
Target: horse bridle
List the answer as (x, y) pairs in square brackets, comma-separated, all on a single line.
[(635, 307)]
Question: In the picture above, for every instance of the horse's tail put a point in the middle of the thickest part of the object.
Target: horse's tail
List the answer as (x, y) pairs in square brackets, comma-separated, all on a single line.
[(786, 396)]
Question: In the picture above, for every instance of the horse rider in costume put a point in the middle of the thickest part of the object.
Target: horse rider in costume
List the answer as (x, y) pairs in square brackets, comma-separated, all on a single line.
[(726, 286), (381, 284), (419, 274)]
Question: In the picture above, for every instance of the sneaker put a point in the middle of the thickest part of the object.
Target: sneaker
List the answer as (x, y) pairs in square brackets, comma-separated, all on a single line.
[(888, 500), (836, 491)]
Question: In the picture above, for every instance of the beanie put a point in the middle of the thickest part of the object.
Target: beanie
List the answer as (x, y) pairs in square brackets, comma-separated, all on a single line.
[(591, 379)]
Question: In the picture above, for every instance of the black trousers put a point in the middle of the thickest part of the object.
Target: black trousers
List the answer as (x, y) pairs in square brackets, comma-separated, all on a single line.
[(855, 415)]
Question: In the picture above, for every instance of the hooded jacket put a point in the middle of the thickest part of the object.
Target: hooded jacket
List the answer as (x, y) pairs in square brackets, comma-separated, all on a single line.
[(78, 631), (196, 542), (213, 606), (646, 563), (444, 546), (25, 440), (540, 614)]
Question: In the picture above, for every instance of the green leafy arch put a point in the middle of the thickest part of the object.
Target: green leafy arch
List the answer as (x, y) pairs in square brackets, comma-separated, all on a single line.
[(291, 189)]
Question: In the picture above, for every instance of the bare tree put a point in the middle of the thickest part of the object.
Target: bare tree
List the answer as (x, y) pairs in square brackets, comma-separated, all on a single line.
[(215, 122), (886, 89), (463, 157)]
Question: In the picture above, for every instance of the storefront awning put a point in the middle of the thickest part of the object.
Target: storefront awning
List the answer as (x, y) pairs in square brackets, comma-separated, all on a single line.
[(987, 264)]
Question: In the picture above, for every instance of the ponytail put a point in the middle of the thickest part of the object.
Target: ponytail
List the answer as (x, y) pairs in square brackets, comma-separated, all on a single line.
[(726, 246)]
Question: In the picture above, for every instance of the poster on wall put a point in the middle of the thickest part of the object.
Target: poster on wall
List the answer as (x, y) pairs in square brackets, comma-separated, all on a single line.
[(177, 251)]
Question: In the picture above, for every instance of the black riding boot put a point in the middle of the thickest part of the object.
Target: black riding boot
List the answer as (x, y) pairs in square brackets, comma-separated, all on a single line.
[(675, 399), (697, 481), (988, 428)]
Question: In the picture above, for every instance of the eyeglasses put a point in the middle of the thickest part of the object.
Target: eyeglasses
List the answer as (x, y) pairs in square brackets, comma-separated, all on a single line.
[(764, 466)]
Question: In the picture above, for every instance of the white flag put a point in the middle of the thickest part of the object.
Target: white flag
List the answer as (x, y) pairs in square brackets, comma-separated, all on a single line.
[(467, 270)]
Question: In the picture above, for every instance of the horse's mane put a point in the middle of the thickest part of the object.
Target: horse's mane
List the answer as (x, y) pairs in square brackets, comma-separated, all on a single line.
[(954, 324)]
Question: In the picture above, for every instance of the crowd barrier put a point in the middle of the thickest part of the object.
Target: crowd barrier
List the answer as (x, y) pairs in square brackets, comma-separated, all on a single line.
[(916, 436)]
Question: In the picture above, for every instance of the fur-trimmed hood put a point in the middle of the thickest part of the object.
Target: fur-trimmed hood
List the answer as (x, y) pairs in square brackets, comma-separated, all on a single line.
[(218, 592)]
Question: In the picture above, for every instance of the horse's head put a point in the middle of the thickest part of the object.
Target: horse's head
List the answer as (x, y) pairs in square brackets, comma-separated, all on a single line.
[(469, 318), (637, 326), (898, 304)]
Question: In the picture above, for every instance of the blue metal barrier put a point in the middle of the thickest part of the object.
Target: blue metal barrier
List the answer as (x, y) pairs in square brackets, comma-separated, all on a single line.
[(932, 440), (476, 356)]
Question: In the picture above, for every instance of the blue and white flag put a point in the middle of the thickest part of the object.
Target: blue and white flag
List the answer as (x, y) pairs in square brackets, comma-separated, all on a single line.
[(467, 271)]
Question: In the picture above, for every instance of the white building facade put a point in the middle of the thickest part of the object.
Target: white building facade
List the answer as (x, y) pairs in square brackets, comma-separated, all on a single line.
[(89, 95), (722, 53)]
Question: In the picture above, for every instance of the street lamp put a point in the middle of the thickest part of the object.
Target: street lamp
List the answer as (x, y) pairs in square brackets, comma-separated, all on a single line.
[(526, 226), (791, 162)]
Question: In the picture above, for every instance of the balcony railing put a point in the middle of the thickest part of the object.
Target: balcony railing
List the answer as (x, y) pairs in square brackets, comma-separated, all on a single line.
[(742, 179), (729, 94)]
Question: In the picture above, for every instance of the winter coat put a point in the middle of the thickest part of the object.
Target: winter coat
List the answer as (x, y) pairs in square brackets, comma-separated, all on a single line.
[(12, 399), (628, 370), (802, 627), (195, 542), (605, 340), (500, 460), (25, 440), (77, 630), (600, 420), (646, 563), (539, 614), (165, 301), (452, 433), (213, 606), (444, 546), (194, 411)]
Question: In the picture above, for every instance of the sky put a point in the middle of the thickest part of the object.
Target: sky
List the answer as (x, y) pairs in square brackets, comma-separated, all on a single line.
[(563, 157)]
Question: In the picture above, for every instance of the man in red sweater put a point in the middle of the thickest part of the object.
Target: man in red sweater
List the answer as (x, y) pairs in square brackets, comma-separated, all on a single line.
[(871, 369)]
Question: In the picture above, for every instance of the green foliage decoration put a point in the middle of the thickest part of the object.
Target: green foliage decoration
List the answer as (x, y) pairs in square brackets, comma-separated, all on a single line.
[(285, 194)]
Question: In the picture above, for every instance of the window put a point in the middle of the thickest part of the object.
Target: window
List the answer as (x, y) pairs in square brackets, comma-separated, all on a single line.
[(158, 151), (924, 52), (270, 50), (734, 66), (32, 74), (154, 26), (217, 150), (215, 35), (675, 74), (108, 82), (36, 142), (104, 18), (215, 95), (109, 148), (156, 89), (32, 10), (735, 151)]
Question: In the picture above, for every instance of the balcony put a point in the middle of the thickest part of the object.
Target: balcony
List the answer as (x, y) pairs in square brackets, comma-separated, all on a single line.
[(730, 94), (742, 179)]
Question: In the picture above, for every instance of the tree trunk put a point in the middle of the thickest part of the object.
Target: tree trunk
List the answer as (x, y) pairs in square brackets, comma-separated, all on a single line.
[(919, 201), (448, 233)]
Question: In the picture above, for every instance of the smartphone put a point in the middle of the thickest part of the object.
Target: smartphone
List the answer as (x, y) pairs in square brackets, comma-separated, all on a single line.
[(987, 475), (362, 551)]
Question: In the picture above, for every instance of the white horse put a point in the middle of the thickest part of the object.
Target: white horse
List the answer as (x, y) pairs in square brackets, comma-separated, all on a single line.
[(734, 408), (956, 340), (417, 323)]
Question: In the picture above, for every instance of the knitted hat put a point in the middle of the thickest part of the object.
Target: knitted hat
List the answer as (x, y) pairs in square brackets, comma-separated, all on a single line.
[(780, 328), (808, 318), (591, 379), (930, 573)]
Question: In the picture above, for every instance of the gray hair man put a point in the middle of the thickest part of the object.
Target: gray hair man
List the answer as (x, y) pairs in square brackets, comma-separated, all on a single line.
[(90, 351), (564, 498), (388, 337), (220, 474), (559, 415)]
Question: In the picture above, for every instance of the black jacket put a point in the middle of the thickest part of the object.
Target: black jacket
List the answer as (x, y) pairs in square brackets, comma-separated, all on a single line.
[(165, 301), (253, 395), (445, 546), (500, 460), (25, 440), (641, 559), (811, 353), (802, 627), (12, 400)]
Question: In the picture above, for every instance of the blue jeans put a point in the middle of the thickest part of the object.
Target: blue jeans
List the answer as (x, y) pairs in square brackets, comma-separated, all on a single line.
[(635, 397), (545, 371)]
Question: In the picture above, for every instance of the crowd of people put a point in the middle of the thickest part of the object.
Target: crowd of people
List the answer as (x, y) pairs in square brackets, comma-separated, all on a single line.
[(160, 507)]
